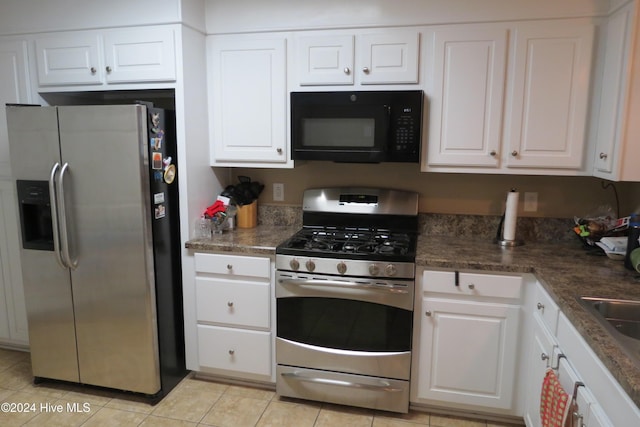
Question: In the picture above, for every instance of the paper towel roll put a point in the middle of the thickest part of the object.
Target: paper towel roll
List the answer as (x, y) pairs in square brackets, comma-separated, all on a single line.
[(511, 216)]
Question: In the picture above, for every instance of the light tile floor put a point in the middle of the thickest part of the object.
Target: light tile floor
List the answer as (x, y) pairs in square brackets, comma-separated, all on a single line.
[(193, 402)]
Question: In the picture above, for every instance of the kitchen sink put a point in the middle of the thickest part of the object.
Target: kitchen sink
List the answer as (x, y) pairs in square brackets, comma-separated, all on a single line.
[(620, 317)]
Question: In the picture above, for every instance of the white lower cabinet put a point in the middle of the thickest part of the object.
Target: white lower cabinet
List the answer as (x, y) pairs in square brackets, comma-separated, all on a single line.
[(234, 350), (234, 321), (600, 401), (467, 327), (13, 313)]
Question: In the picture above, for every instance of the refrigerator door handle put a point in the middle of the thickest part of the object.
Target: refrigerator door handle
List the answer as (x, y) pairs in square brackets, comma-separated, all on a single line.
[(64, 231), (54, 214)]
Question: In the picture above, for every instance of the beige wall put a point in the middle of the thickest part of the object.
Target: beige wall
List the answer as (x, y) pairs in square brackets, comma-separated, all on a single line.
[(558, 197)]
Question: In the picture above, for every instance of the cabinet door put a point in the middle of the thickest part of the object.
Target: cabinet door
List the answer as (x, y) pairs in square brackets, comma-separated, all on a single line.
[(539, 360), (13, 313), (71, 59), (325, 60), (467, 100), (140, 55), (612, 98), (13, 89), (248, 100), (468, 352), (549, 94), (388, 58)]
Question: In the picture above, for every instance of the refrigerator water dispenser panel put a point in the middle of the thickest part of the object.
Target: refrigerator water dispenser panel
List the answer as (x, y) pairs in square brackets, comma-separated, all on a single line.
[(35, 215)]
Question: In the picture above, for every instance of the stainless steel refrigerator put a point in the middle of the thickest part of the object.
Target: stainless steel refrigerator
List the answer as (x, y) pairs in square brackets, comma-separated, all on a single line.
[(98, 198)]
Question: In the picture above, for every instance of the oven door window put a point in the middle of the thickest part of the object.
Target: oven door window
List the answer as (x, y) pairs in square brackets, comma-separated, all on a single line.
[(344, 324)]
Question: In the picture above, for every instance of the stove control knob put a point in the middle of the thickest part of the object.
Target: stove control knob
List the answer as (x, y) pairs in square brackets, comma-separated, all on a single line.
[(390, 270), (342, 267), (294, 264), (310, 265), (374, 269)]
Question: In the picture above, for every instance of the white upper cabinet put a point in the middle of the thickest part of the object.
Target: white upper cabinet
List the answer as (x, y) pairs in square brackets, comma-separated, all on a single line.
[(248, 101), (338, 58), (469, 65), (325, 59), (14, 88), (546, 116), (509, 98), (106, 57), (617, 148)]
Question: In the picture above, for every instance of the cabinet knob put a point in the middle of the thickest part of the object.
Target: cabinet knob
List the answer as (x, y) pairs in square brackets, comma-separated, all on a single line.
[(603, 156), (493, 153), (514, 153), (229, 303), (109, 69), (540, 306), (229, 267), (347, 70), (279, 150), (365, 70), (232, 352), (472, 286), (93, 70), (544, 356), (427, 313)]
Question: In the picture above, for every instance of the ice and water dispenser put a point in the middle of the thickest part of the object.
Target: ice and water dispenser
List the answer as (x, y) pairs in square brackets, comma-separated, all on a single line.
[(35, 215)]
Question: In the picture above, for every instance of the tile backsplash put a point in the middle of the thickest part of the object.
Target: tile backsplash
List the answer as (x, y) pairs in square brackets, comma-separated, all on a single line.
[(529, 229)]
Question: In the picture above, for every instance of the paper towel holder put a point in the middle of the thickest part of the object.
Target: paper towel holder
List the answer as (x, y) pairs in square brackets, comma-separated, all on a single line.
[(506, 243)]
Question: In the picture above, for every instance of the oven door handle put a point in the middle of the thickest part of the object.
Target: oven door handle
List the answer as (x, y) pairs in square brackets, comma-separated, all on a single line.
[(384, 385), (340, 284)]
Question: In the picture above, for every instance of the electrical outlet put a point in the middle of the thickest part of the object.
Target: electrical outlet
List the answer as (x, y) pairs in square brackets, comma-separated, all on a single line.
[(530, 202), (278, 192)]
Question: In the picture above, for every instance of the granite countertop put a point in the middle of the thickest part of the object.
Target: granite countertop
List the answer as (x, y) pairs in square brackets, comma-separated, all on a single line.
[(565, 269)]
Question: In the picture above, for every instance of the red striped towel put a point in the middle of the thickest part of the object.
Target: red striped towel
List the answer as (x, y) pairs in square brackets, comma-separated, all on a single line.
[(554, 402)]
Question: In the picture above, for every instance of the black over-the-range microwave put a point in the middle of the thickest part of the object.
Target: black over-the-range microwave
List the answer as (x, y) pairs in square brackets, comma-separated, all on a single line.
[(357, 126)]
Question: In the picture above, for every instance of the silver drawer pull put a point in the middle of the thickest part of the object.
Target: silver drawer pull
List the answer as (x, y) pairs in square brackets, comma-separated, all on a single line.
[(384, 385), (229, 303), (232, 352), (540, 306), (472, 286), (396, 289), (544, 356), (229, 267), (427, 313)]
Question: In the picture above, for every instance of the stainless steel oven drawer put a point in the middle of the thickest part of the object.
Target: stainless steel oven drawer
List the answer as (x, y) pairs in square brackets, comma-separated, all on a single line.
[(345, 389), (385, 364)]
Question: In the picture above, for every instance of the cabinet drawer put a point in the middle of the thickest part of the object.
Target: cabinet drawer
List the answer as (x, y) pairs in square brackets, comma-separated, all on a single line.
[(546, 309), (234, 350), (233, 265), (233, 302), (475, 284)]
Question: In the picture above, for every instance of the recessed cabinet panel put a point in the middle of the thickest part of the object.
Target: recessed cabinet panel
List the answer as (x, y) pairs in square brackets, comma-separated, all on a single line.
[(482, 372), (325, 60), (388, 58), (69, 60), (140, 55), (549, 95), (248, 100), (467, 103)]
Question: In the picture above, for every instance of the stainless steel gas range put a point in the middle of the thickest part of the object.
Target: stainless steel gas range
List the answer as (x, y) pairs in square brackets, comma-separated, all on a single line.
[(344, 294)]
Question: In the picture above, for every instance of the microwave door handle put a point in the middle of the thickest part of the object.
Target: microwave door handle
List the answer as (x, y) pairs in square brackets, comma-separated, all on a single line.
[(387, 123)]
